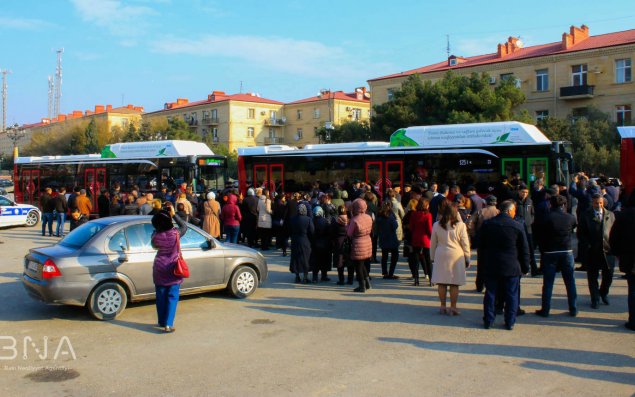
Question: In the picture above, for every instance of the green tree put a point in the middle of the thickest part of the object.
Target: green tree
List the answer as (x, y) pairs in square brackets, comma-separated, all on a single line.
[(91, 145), (595, 141), (349, 131), (223, 150), (451, 100)]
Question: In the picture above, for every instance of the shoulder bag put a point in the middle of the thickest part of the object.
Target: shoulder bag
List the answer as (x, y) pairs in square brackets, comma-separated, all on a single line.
[(180, 269)]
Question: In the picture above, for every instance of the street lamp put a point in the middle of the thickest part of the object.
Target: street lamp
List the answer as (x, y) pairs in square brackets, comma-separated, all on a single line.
[(328, 126), (15, 133)]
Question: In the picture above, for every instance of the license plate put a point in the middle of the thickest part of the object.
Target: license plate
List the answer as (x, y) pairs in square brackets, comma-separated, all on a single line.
[(32, 266)]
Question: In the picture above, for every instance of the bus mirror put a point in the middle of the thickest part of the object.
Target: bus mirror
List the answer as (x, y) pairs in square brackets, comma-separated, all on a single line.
[(192, 159)]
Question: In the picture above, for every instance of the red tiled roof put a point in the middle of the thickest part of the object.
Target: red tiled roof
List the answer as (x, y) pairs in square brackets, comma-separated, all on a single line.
[(222, 98), (340, 95), (593, 42)]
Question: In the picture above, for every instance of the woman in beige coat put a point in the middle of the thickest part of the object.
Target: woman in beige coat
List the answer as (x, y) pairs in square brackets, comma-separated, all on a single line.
[(450, 250), (211, 213), (264, 219)]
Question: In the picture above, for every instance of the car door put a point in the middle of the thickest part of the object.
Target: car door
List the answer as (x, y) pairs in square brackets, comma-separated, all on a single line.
[(11, 214), (132, 254), (207, 265)]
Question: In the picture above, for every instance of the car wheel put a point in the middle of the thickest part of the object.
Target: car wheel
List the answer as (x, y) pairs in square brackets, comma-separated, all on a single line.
[(107, 301), (243, 283), (32, 218)]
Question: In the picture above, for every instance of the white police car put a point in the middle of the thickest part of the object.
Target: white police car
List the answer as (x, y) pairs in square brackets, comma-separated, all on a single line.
[(12, 214)]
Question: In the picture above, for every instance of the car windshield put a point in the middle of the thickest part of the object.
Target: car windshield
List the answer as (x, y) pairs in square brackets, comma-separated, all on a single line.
[(78, 237)]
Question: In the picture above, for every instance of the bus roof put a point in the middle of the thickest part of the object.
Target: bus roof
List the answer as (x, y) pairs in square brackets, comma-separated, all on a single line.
[(506, 133), (262, 150), (626, 132), (129, 150)]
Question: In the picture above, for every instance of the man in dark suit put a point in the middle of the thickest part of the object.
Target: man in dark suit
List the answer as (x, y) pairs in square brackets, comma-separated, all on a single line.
[(525, 210), (506, 258), (436, 201), (593, 232)]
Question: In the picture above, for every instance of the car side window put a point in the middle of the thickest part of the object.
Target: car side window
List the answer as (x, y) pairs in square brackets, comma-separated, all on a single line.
[(117, 241), (193, 239), (140, 237), (5, 202)]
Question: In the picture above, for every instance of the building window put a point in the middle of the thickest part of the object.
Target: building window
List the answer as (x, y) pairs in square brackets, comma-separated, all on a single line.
[(541, 114), (623, 71), (299, 114), (272, 115), (193, 118), (250, 132), (390, 93), (205, 114), (579, 75), (251, 113), (316, 113), (623, 114), (125, 123), (215, 132), (507, 76), (578, 113), (542, 80), (299, 133), (356, 114), (272, 132), (214, 113)]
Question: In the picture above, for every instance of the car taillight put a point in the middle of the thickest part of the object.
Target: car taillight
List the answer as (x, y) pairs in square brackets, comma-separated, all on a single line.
[(50, 270)]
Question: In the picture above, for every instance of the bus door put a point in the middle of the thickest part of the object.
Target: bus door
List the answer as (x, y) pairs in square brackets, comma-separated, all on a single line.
[(384, 175), (538, 167), (94, 180), (513, 166), (269, 176), (31, 186)]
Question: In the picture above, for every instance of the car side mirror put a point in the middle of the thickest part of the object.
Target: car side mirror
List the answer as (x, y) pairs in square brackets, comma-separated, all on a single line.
[(123, 258), (210, 244)]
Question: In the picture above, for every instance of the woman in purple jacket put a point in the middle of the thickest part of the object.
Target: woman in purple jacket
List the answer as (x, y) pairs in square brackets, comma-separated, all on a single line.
[(166, 284)]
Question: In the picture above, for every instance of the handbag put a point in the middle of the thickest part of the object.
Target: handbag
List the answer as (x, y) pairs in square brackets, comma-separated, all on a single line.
[(180, 269)]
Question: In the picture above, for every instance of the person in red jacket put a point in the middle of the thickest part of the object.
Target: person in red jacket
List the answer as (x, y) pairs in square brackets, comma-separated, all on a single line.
[(421, 231), (231, 218), (359, 230)]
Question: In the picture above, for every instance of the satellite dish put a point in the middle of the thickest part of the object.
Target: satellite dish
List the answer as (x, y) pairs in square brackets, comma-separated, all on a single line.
[(519, 43), (296, 137)]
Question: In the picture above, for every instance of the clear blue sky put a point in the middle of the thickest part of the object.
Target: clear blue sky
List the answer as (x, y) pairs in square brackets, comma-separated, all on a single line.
[(149, 52)]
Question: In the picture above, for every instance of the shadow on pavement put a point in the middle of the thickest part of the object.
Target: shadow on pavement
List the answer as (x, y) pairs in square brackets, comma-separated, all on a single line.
[(564, 356)]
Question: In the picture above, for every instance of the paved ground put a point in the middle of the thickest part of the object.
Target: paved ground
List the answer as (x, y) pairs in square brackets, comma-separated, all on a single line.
[(314, 340)]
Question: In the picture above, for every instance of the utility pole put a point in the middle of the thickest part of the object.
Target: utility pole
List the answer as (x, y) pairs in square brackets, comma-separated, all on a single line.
[(50, 97), (5, 72), (447, 48), (58, 83)]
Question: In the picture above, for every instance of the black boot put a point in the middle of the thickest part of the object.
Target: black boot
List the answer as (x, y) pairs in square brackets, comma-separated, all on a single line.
[(297, 279), (360, 288), (367, 283), (416, 280), (340, 276)]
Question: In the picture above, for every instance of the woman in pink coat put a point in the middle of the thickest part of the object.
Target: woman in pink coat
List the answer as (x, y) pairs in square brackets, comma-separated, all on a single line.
[(450, 248), (359, 230)]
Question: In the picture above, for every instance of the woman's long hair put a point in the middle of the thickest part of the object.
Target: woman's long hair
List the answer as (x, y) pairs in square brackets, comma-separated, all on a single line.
[(448, 215), (385, 210), (423, 205)]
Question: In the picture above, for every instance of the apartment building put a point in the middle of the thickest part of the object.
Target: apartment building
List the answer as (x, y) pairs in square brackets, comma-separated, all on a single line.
[(235, 120), (327, 109), (558, 79), (103, 115)]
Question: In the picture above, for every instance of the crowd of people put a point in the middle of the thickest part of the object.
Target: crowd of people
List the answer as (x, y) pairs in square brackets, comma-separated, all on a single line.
[(433, 226)]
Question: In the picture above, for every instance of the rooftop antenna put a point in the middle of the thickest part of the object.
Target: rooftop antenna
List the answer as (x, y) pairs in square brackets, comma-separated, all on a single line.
[(447, 47), (241, 86), (50, 97), (58, 83), (4, 72)]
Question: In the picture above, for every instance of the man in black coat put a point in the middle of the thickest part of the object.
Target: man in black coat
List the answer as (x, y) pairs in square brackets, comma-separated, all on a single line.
[(593, 232), (436, 201), (525, 209), (557, 254), (622, 240), (506, 258), (250, 217)]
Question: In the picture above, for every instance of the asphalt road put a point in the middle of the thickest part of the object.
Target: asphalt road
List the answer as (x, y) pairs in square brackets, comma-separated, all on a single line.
[(312, 340)]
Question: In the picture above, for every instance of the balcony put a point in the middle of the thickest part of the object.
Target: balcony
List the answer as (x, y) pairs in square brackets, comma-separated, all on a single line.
[(209, 120), (576, 92), (275, 122), (275, 140)]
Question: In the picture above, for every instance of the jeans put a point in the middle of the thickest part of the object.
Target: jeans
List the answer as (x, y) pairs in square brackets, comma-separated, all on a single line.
[(167, 299), (551, 263), (61, 220), (47, 218), (508, 287), (630, 280), (231, 233)]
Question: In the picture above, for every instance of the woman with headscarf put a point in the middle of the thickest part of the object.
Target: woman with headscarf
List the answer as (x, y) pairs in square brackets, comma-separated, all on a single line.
[(280, 222), (264, 219), (165, 239), (386, 226), (320, 246), (186, 204), (341, 258), (211, 213), (301, 230), (359, 230), (231, 217)]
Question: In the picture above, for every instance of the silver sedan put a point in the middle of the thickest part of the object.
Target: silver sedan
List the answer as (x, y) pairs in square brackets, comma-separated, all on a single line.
[(107, 262)]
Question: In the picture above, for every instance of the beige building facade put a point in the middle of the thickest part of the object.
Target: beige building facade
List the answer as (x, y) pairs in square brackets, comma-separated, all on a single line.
[(558, 79), (107, 116)]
